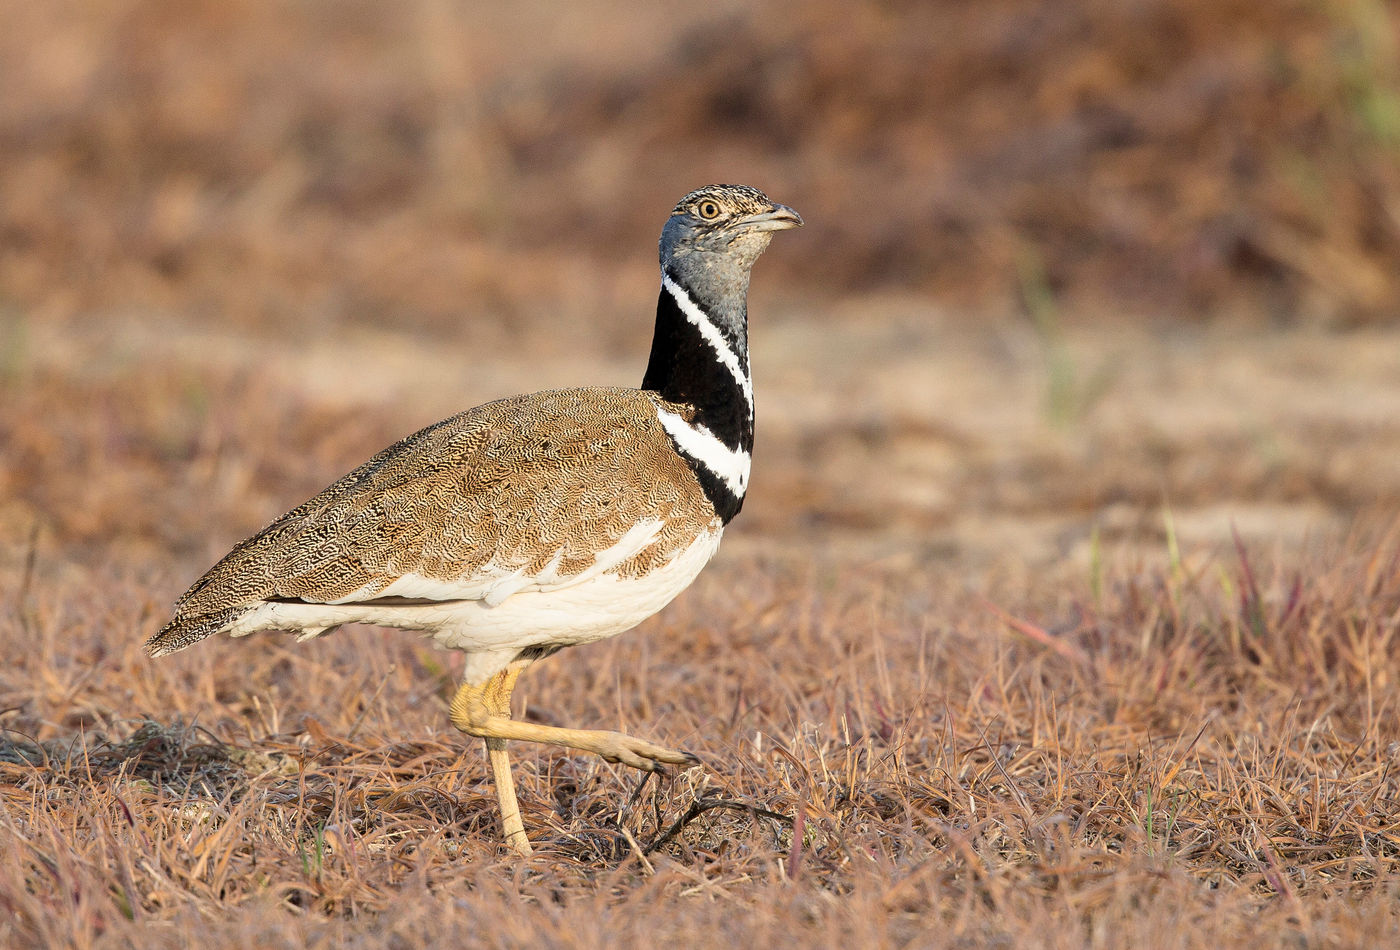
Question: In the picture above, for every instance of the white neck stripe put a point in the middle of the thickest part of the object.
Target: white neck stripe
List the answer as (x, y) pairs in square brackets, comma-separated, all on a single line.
[(730, 466), (712, 336)]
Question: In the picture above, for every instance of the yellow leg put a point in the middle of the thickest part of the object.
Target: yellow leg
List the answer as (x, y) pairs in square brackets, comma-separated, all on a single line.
[(483, 710), (494, 696), (511, 825)]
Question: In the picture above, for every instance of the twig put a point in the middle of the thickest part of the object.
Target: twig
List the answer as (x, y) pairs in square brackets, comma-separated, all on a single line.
[(702, 805)]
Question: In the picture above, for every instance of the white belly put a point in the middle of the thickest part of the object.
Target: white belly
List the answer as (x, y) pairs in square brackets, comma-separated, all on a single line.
[(599, 606)]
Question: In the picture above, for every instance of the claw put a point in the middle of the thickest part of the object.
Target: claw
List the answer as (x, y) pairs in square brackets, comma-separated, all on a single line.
[(640, 754)]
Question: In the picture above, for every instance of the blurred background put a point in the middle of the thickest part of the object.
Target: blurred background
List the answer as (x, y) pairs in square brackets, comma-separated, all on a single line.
[(1066, 264)]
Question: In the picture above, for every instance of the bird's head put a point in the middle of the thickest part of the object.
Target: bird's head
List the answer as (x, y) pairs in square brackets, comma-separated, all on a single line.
[(715, 234)]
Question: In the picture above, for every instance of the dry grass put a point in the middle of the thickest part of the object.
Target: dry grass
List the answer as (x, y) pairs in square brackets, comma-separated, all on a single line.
[(965, 718)]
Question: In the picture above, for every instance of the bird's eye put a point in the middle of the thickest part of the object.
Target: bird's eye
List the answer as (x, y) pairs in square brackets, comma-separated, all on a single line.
[(708, 210)]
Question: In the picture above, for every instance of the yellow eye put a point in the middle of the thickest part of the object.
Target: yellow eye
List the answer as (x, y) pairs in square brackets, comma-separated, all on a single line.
[(708, 210)]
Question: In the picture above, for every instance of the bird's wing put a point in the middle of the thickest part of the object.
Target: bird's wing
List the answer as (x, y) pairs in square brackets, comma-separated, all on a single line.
[(531, 492)]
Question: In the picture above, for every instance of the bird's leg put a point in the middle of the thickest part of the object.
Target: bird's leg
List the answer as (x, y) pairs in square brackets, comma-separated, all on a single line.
[(474, 715), (492, 699)]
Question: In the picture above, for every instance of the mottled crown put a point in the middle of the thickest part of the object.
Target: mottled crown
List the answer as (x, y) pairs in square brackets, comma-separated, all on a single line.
[(738, 200)]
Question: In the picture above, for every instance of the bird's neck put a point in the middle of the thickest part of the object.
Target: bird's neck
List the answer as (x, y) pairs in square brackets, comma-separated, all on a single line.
[(700, 358)]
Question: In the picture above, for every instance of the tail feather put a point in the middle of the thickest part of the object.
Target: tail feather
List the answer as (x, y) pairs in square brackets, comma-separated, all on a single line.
[(184, 631)]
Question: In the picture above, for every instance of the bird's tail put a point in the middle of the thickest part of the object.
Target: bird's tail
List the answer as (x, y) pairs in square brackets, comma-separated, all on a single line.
[(183, 631)]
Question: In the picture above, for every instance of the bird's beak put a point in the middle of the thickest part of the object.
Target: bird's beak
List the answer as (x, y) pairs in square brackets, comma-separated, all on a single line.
[(779, 219)]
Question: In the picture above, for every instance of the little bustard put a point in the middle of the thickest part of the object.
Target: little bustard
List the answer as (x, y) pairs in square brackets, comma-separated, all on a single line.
[(535, 522)]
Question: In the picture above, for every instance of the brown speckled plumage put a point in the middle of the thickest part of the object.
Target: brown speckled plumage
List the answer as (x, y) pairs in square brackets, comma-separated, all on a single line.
[(508, 484)]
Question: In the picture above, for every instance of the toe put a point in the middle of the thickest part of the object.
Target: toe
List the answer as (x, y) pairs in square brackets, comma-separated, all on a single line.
[(673, 757), (643, 755), (628, 757)]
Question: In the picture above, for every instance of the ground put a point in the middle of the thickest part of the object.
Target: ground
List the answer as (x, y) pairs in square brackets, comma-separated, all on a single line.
[(981, 660)]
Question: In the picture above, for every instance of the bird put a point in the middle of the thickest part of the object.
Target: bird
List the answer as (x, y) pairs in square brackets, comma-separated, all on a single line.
[(535, 522)]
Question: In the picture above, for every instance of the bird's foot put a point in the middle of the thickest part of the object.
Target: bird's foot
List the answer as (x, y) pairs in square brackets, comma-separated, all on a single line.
[(638, 753)]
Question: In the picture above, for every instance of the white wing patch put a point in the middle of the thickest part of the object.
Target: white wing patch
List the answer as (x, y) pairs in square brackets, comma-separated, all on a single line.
[(580, 611), (494, 583), (730, 466), (712, 336), (635, 540)]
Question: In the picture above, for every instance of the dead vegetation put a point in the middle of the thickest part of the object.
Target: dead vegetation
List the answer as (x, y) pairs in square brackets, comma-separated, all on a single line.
[(1202, 749), (1051, 728)]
